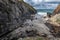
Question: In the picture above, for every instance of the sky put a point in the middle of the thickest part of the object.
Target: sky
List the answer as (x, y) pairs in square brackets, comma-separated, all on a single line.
[(44, 0), (52, 0), (43, 4)]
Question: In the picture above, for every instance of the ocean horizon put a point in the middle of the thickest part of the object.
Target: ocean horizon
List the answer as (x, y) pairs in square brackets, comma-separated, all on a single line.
[(45, 10)]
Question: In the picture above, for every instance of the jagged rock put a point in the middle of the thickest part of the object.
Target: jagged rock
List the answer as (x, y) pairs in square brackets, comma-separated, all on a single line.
[(57, 10), (39, 25), (54, 21), (13, 13)]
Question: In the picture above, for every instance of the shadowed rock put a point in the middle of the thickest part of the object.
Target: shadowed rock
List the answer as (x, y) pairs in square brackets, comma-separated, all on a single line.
[(13, 13)]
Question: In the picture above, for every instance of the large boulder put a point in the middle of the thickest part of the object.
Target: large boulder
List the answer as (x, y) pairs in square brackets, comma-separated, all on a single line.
[(13, 13)]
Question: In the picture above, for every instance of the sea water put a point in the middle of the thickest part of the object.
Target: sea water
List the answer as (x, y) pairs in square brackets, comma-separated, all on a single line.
[(44, 12)]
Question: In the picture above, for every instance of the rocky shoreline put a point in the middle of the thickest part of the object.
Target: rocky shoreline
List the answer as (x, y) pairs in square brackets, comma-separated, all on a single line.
[(19, 20)]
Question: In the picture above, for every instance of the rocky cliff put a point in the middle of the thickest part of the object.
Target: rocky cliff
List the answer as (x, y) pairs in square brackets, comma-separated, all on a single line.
[(13, 13), (57, 10), (54, 21)]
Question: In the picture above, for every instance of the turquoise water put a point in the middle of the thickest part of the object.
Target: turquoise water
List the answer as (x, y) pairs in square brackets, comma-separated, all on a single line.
[(45, 10)]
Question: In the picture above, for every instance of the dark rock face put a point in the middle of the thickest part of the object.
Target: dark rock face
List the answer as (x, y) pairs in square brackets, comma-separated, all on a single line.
[(13, 14)]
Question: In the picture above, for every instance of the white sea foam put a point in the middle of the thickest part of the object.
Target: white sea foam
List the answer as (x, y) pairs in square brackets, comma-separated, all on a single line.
[(42, 13)]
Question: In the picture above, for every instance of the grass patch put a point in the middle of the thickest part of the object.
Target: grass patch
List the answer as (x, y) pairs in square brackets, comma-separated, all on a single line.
[(58, 20), (39, 38), (33, 38)]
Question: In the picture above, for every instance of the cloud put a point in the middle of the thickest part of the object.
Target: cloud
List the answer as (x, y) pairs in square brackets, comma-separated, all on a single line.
[(37, 1), (46, 6), (40, 4), (34, 1), (52, 0), (51, 6)]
